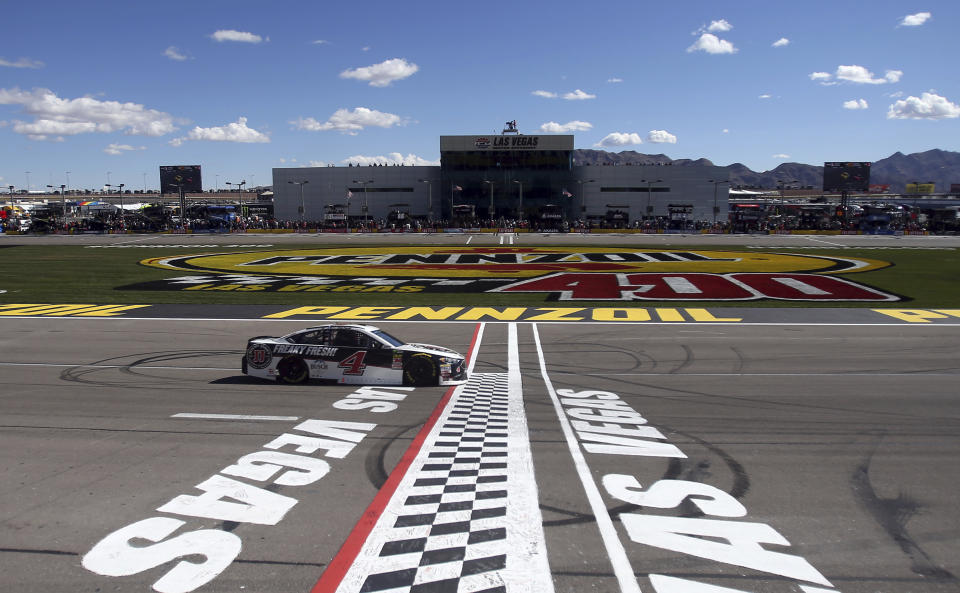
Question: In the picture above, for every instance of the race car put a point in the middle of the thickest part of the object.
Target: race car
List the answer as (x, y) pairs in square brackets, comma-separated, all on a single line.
[(361, 354)]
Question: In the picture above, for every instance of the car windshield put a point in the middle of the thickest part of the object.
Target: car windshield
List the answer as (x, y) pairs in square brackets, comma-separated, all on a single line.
[(387, 338)]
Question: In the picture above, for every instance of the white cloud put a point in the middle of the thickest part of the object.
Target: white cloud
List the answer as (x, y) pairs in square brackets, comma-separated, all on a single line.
[(765, 96), (174, 53), (781, 156), (384, 73), (544, 94), (22, 63), (855, 74), (121, 148), (578, 95), (233, 132), (712, 45), (238, 36), (320, 42), (856, 104), (782, 42), (614, 80), (860, 75), (926, 106), (915, 20), (42, 129), (661, 137), (722, 26), (84, 115), (620, 139), (350, 122), (392, 158), (552, 127)]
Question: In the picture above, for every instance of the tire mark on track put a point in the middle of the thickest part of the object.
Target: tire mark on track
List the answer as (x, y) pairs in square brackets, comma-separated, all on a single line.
[(893, 514)]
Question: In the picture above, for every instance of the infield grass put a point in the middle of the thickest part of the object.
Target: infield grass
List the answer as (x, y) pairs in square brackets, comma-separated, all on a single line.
[(927, 278)]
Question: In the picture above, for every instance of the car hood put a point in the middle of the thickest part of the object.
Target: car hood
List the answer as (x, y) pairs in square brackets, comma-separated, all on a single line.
[(431, 349)]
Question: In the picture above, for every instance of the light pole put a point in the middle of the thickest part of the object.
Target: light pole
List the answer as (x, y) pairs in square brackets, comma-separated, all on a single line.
[(183, 204), (649, 193), (63, 204), (490, 213), (299, 183), (716, 209), (366, 206), (520, 208), (583, 199), (780, 186), (123, 220), (240, 194), (429, 200), (27, 173), (121, 201)]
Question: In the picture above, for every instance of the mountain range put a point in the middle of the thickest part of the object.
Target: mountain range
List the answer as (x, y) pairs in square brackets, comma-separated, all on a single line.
[(941, 167)]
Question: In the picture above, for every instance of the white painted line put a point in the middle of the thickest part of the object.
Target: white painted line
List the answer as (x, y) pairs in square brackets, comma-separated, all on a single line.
[(234, 417), (810, 238), (473, 354), (622, 568), (115, 366), (140, 240), (903, 374), (525, 537)]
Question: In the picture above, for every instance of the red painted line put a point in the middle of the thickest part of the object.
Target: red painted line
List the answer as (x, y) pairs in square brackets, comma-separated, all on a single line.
[(338, 567)]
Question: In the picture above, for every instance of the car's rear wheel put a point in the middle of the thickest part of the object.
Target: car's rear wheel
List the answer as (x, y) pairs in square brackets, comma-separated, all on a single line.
[(420, 371), (292, 370)]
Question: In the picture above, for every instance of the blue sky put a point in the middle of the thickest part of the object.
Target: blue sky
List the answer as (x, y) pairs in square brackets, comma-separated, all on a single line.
[(110, 91)]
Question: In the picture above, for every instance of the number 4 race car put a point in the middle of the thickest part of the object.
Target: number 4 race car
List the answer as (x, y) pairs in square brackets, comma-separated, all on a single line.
[(351, 354)]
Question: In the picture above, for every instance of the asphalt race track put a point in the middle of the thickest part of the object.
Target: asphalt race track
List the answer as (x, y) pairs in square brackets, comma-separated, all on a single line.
[(766, 456)]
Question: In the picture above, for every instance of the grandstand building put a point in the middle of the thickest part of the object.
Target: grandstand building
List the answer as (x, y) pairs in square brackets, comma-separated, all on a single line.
[(508, 176)]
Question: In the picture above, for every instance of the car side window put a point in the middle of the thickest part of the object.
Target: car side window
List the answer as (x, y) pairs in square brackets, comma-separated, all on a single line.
[(344, 338), (310, 337)]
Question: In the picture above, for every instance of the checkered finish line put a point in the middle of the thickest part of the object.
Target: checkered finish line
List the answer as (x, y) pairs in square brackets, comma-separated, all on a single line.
[(465, 517)]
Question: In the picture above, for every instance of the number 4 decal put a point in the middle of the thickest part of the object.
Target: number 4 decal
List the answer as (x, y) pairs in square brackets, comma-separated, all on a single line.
[(354, 364)]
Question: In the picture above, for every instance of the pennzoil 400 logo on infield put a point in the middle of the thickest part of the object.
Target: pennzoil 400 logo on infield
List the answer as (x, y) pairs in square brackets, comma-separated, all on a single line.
[(566, 274)]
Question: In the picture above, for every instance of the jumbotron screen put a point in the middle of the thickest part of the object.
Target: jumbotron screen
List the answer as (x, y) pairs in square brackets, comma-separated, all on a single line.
[(173, 176), (849, 177)]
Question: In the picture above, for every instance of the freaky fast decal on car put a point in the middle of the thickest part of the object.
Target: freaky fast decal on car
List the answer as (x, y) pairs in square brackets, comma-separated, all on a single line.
[(568, 274)]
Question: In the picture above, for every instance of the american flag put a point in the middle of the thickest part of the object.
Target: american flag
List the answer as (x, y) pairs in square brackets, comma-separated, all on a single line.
[(349, 194), (567, 194), (457, 188)]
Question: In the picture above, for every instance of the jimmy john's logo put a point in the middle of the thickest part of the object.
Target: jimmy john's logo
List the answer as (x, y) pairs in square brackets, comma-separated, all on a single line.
[(259, 356), (590, 273)]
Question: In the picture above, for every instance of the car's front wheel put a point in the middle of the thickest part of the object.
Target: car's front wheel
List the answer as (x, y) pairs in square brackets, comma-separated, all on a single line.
[(292, 370), (420, 371)]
